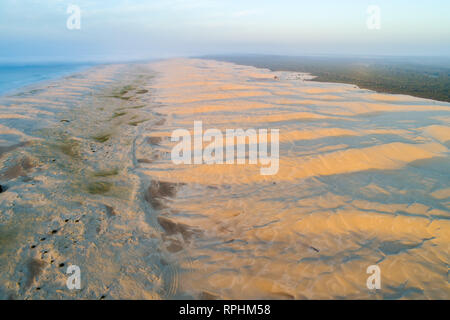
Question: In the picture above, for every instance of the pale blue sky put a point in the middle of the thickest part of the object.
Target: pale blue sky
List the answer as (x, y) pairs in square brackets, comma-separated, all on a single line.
[(130, 29)]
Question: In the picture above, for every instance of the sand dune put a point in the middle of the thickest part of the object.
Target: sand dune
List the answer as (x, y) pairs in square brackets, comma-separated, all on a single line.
[(87, 179)]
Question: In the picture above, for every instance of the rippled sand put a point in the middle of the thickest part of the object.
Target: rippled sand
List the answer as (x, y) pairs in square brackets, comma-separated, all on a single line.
[(363, 179)]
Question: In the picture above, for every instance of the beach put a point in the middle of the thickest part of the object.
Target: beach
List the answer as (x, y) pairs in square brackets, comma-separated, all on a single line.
[(87, 180)]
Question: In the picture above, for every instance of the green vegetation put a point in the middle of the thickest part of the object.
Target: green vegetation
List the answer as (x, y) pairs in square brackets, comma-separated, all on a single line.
[(420, 77), (106, 173), (71, 148), (102, 137), (135, 123), (68, 146), (134, 107), (125, 90), (99, 187), (118, 114), (120, 93)]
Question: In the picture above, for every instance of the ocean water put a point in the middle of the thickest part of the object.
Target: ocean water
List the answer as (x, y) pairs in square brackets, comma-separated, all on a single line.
[(16, 76)]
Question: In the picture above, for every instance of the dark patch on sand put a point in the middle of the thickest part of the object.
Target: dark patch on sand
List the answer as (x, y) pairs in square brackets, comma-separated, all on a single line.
[(110, 211), (126, 89), (144, 161), (159, 191), (121, 94), (208, 296), (27, 164), (154, 140), (118, 114), (102, 137), (8, 235), (69, 147), (402, 291), (99, 187), (160, 122), (106, 173), (395, 247), (35, 268), (18, 170), (172, 227), (156, 156), (284, 295), (136, 123), (11, 148), (175, 246), (2, 188)]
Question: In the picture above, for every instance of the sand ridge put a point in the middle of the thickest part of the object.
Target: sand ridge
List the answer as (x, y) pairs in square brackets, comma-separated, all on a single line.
[(356, 170)]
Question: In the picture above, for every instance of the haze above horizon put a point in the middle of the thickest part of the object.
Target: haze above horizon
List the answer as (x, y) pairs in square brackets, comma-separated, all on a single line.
[(136, 29)]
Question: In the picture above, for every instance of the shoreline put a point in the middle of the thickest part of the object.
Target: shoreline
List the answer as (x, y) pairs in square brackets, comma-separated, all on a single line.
[(30, 84), (80, 162)]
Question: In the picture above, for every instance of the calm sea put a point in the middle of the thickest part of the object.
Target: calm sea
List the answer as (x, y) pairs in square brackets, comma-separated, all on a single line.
[(13, 77)]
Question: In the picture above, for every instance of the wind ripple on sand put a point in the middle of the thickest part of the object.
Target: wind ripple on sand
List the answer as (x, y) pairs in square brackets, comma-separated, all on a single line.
[(363, 180)]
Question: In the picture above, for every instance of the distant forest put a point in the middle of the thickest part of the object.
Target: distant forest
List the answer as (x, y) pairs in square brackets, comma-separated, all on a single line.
[(424, 77)]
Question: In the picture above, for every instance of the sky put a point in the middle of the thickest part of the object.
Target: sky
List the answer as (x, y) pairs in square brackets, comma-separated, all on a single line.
[(115, 30)]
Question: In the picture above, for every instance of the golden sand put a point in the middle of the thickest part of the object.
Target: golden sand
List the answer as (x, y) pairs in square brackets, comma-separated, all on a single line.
[(363, 179)]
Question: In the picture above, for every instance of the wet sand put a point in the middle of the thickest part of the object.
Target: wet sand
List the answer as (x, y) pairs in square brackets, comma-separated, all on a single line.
[(88, 180)]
